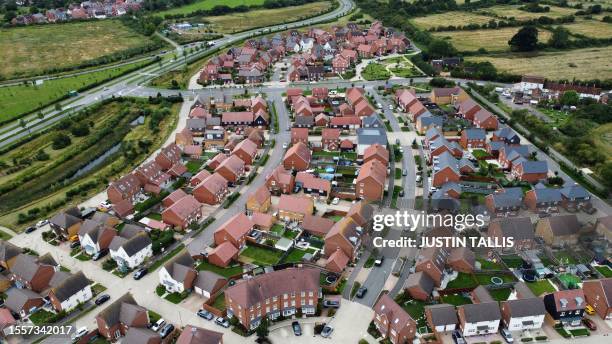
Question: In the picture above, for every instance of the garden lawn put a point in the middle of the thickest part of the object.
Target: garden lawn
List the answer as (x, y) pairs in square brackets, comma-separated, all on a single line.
[(193, 166), (463, 280), (415, 308), (456, 299), (565, 257), (604, 270), (375, 71), (225, 272), (35, 49), (500, 294), (485, 279), (176, 298), (513, 261), (261, 256), (295, 256), (220, 302), (569, 279), (540, 287), (486, 264)]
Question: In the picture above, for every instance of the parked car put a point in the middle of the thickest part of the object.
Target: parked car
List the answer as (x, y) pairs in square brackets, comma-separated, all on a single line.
[(42, 223), (458, 337), (327, 331), (102, 298), (590, 324), (335, 201), (401, 193), (158, 325), (166, 330), (507, 335), (99, 254), (140, 273), (285, 145), (78, 334), (379, 261), (297, 329), (361, 292), (222, 322), (405, 172), (589, 310), (75, 244), (205, 314), (331, 304), (30, 229)]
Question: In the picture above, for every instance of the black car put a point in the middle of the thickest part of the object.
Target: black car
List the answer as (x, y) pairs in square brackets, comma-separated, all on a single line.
[(30, 229), (297, 329), (458, 337), (140, 273), (166, 330), (103, 298), (75, 244), (100, 254), (361, 292)]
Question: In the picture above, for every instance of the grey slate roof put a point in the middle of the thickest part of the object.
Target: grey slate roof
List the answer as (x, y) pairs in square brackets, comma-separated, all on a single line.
[(16, 298), (476, 134), (526, 307), (421, 280), (443, 314), (71, 286), (25, 266), (547, 195), (530, 166), (8, 250), (371, 121), (123, 310), (563, 224), (519, 228), (573, 192), (432, 132), (304, 120), (132, 245), (478, 312), (370, 136), (506, 133), (64, 220), (207, 280), (90, 227), (136, 335), (180, 266), (428, 119)]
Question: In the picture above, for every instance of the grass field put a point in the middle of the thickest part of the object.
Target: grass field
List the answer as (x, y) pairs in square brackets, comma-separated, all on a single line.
[(32, 49), (591, 28), (492, 40), (375, 71), (17, 100), (261, 256), (513, 11), (209, 4), (541, 287), (236, 22), (602, 135), (456, 18), (581, 64)]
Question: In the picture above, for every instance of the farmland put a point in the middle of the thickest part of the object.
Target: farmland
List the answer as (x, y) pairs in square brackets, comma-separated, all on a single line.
[(602, 136), (36, 49), (12, 98), (454, 18), (40, 176), (491, 40), (237, 22), (581, 64), (591, 28), (209, 4), (512, 11)]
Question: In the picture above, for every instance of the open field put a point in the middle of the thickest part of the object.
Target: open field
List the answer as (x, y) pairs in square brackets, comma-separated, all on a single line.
[(35, 187), (34, 49), (602, 135), (581, 64), (236, 22), (17, 100), (450, 18), (209, 4), (513, 11), (492, 40), (591, 28)]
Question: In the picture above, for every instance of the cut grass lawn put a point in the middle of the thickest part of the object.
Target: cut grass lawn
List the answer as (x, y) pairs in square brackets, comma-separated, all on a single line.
[(237, 22), (491, 40), (375, 71), (176, 298), (209, 4), (456, 299), (220, 302), (569, 279), (295, 256), (500, 294), (261, 256), (193, 166), (463, 280), (21, 99), (486, 264), (455, 18), (415, 308), (583, 64), (541, 287), (485, 279), (565, 258), (34, 49), (225, 272), (604, 270)]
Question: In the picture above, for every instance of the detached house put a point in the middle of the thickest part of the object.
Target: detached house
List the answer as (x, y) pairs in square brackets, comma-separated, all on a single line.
[(441, 317), (234, 230), (32, 272), (8, 254), (530, 171), (72, 291), (559, 230), (566, 306), (448, 95), (123, 314), (376, 152), (130, 248), (523, 314), (299, 135), (473, 138), (125, 188), (197, 335), (95, 236), (297, 157), (432, 262), (66, 223), (343, 238), (575, 197), (280, 181), (519, 228), (260, 200), (330, 139), (599, 295), (23, 301), (393, 322), (231, 169), (169, 156), (246, 150), (506, 135), (294, 208), (178, 275), (370, 182), (183, 213), (479, 318), (211, 190)]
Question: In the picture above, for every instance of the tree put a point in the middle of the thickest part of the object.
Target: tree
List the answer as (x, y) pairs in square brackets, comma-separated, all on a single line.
[(526, 39), (80, 130), (559, 38), (10, 15), (61, 141), (262, 330), (606, 174), (569, 98), (440, 48)]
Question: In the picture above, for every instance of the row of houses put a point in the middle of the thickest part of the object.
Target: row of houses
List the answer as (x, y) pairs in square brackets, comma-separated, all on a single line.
[(538, 88), (84, 10)]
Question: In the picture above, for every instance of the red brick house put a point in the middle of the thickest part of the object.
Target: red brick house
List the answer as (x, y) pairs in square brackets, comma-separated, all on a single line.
[(340, 64), (168, 156), (473, 138), (223, 254), (216, 160), (299, 135), (599, 295), (234, 230), (182, 213), (231, 169), (297, 157), (123, 314), (363, 108), (378, 152), (393, 322), (32, 272), (330, 139), (280, 181), (125, 188), (370, 183), (246, 150)]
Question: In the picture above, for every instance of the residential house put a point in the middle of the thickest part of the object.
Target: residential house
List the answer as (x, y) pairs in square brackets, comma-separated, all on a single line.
[(66, 223), (566, 306), (239, 118), (152, 177), (393, 322), (7, 322), (473, 138), (542, 199), (432, 262), (510, 155), (294, 208), (169, 156), (377, 152), (232, 169), (405, 98), (485, 119), (461, 259), (317, 225), (196, 335), (178, 274), (23, 301), (559, 230), (371, 122), (234, 230), (184, 212), (299, 135), (246, 150), (130, 248), (370, 182), (71, 292), (313, 185), (211, 190), (304, 122), (115, 320), (419, 285), (345, 122), (273, 294), (508, 200), (32, 272), (441, 317), (223, 254), (448, 95), (280, 181), (260, 200), (530, 171), (575, 197), (523, 314), (330, 139), (343, 238), (297, 157), (95, 236), (198, 178), (370, 136), (467, 109), (506, 135), (479, 318), (520, 229), (125, 188), (8, 254), (598, 294), (141, 335)]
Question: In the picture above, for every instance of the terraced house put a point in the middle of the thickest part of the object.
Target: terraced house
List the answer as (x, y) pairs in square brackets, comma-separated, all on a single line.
[(273, 294)]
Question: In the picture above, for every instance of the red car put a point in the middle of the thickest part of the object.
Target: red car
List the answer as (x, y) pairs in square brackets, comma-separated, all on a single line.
[(590, 324)]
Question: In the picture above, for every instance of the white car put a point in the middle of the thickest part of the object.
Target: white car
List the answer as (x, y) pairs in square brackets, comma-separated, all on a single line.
[(401, 150), (335, 201), (390, 107), (79, 333), (42, 223), (379, 105), (158, 325), (285, 145)]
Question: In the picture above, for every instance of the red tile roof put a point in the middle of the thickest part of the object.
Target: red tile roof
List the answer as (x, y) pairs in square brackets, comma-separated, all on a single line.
[(295, 204), (237, 226)]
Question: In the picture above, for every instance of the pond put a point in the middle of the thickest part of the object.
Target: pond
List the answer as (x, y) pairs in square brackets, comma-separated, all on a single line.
[(97, 161)]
